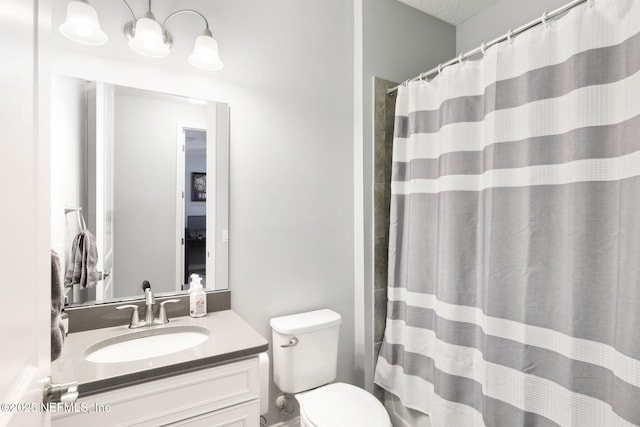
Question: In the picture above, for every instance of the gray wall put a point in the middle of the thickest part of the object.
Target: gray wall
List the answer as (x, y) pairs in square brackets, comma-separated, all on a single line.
[(145, 188), (291, 242), (399, 42), (496, 20)]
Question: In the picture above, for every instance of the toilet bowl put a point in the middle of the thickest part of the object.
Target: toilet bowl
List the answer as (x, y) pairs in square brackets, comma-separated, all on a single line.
[(305, 360), (341, 405)]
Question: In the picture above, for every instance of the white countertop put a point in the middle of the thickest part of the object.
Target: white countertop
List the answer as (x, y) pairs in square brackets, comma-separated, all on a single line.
[(231, 338)]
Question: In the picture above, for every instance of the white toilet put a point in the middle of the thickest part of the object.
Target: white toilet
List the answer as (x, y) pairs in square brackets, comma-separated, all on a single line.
[(305, 358)]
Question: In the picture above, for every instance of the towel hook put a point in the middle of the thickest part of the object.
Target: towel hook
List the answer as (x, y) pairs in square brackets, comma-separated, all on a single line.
[(81, 223)]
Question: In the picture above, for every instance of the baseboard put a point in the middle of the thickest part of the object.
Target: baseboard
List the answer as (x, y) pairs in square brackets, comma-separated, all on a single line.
[(293, 422)]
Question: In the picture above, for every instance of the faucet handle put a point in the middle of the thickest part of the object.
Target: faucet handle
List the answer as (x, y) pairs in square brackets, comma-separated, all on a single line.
[(135, 316), (162, 314)]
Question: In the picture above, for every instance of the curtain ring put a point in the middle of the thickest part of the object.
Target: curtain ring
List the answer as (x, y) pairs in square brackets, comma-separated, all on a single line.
[(460, 59), (590, 2), (421, 76), (439, 68), (544, 20), (510, 36), (483, 48), (406, 82)]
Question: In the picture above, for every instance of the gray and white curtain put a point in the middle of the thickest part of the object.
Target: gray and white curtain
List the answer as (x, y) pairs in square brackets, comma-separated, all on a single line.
[(514, 246)]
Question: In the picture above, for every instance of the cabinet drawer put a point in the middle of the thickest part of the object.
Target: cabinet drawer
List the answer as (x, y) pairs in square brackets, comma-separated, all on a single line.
[(168, 400), (243, 415)]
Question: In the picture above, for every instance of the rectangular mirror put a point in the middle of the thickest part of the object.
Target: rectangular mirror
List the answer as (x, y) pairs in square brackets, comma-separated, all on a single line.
[(146, 174)]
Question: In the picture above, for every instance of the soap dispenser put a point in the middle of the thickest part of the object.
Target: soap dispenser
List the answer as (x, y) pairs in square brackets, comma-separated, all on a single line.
[(197, 297)]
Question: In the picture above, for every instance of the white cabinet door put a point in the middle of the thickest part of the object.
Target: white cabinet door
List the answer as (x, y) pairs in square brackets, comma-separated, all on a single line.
[(173, 399), (24, 217), (245, 415)]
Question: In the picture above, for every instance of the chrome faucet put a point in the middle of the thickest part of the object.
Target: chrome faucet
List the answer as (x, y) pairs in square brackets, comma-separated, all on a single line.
[(149, 300)]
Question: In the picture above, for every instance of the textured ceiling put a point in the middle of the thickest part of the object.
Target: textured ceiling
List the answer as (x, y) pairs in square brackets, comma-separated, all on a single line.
[(451, 11)]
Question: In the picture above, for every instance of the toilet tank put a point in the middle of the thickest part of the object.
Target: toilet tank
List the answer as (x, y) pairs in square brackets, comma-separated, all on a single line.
[(310, 358)]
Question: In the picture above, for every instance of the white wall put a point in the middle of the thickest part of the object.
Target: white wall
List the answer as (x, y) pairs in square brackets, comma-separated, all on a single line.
[(498, 18), (144, 192), (399, 42), (288, 79)]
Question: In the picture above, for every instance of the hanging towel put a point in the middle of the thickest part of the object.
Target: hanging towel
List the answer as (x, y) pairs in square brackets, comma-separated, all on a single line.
[(81, 268), (57, 328)]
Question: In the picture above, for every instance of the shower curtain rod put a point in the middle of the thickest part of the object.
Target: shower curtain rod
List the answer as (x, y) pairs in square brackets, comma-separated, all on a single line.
[(484, 46)]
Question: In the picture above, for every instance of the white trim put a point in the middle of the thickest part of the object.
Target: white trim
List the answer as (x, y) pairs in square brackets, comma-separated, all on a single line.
[(104, 186), (614, 169), (623, 366), (180, 201), (363, 367), (598, 105), (218, 122), (527, 392), (101, 114)]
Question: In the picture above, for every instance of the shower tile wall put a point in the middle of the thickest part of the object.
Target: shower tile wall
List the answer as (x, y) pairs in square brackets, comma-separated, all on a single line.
[(384, 111)]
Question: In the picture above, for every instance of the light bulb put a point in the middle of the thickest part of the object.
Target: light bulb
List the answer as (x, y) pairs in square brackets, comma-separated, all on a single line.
[(82, 25), (205, 53), (148, 39)]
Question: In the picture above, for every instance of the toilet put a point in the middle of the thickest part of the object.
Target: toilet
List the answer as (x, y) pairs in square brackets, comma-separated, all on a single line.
[(305, 360)]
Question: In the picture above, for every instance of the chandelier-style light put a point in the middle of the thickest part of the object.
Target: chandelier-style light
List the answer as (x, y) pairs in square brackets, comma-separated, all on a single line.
[(146, 35)]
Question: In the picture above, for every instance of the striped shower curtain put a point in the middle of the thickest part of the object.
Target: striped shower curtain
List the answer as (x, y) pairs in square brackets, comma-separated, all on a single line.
[(514, 246)]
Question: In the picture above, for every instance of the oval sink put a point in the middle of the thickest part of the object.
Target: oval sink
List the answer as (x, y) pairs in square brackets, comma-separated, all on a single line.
[(146, 344)]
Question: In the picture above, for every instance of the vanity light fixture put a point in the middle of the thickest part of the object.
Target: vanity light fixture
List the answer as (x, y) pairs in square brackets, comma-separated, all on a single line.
[(82, 25), (146, 35)]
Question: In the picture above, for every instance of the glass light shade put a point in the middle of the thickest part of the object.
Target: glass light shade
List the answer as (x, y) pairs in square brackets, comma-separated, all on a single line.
[(82, 25), (148, 39), (205, 54)]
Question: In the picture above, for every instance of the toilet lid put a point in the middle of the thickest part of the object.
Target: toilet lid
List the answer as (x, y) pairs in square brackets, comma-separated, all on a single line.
[(343, 405)]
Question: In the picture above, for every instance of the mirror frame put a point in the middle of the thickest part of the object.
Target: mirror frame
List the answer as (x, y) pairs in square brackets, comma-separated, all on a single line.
[(217, 124)]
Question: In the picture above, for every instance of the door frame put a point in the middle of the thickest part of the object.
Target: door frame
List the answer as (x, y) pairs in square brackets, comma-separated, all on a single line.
[(181, 196), (26, 222)]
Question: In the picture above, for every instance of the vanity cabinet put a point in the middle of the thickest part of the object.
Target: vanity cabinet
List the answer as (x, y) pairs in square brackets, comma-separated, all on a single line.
[(222, 395)]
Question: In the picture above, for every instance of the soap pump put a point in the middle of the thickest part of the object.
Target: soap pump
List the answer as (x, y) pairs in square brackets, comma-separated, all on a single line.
[(197, 297)]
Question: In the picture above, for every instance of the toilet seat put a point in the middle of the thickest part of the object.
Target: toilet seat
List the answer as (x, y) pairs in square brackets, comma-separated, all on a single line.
[(341, 405)]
